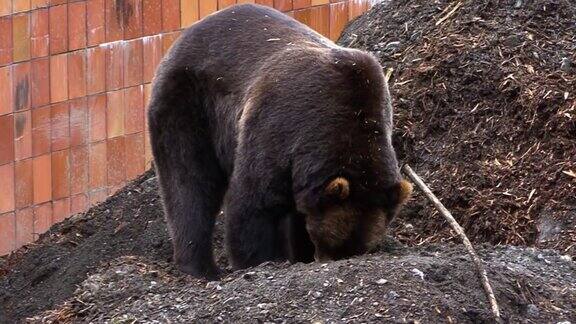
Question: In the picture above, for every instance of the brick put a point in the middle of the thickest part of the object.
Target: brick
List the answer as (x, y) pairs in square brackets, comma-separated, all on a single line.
[(22, 135), (78, 204), (20, 5), (116, 161), (320, 20), (7, 188), (189, 12), (151, 17), (115, 114), (269, 3), (168, 40), (152, 46), (114, 20), (98, 196), (60, 124), (6, 45), (58, 21), (21, 86), (21, 37), (226, 3), (114, 66), (59, 78), (7, 103), (355, 9), (41, 131), (61, 210), (134, 110), (147, 148), (301, 4), (59, 2), (96, 70), (40, 82), (95, 22), (148, 158), (170, 15), (134, 55), (39, 33), (112, 190), (76, 25), (42, 219), (133, 19), (24, 226), (134, 155), (319, 2), (42, 173), (39, 3), (5, 8), (78, 122), (338, 19), (283, 5), (97, 165), (245, 1), (77, 74), (303, 16), (79, 172), (7, 233), (97, 118), (6, 139), (24, 183), (207, 7), (60, 174)]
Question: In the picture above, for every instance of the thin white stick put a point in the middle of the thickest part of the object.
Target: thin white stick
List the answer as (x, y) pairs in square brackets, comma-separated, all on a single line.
[(460, 231)]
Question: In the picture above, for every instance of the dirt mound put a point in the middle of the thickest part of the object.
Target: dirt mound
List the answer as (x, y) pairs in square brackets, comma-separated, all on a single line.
[(484, 93), (113, 264), (431, 284), (484, 97), (45, 273)]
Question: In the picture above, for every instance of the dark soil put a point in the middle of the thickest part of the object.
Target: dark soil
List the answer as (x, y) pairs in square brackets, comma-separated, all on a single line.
[(484, 92), (430, 285), (481, 114), (45, 273)]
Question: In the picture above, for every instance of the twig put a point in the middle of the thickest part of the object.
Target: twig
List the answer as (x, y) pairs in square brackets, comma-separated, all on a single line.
[(460, 231), (441, 20)]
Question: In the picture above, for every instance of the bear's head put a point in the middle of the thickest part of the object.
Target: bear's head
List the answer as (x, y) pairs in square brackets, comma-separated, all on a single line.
[(348, 220)]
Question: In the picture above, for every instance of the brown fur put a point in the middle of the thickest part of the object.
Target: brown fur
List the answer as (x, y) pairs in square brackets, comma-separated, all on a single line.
[(257, 113)]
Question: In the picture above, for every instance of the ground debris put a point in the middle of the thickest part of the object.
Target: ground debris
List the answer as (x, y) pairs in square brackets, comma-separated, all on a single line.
[(483, 112), (125, 291)]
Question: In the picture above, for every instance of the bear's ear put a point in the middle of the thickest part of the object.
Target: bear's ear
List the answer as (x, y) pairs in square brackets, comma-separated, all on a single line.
[(405, 191), (338, 188)]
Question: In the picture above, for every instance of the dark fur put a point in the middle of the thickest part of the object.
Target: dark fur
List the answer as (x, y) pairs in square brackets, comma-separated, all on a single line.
[(255, 105)]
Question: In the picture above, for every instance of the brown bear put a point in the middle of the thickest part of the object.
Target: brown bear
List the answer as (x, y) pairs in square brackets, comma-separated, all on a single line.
[(252, 110)]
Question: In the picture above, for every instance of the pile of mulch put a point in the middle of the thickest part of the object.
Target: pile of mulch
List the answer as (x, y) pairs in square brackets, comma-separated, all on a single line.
[(404, 285), (484, 95), (482, 114)]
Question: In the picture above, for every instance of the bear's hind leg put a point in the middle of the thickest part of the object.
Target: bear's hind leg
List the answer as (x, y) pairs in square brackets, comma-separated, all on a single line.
[(191, 180)]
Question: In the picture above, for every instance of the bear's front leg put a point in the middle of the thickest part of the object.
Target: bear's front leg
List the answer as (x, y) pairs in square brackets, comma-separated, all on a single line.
[(253, 227)]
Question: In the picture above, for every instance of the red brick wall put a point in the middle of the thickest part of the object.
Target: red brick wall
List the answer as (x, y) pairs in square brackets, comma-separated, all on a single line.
[(74, 81)]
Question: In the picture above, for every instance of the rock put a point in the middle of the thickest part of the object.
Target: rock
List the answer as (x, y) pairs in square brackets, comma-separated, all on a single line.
[(532, 310), (418, 273), (392, 295), (381, 281), (566, 258), (213, 285), (266, 306)]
